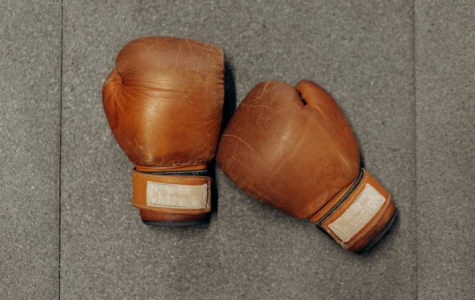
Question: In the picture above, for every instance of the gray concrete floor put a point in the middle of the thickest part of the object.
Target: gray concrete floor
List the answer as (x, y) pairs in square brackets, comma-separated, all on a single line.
[(402, 71)]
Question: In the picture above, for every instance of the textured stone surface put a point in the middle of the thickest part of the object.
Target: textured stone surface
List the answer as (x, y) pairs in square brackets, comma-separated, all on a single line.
[(30, 64), (362, 53), (445, 61)]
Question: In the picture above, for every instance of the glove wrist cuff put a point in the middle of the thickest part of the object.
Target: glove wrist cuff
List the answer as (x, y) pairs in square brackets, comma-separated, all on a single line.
[(180, 192), (180, 168), (359, 215)]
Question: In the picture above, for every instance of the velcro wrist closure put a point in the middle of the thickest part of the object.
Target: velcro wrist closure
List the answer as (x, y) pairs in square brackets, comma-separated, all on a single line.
[(172, 194), (354, 214)]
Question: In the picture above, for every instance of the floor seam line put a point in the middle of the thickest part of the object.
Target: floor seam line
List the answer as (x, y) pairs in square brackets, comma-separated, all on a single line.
[(415, 144), (60, 153)]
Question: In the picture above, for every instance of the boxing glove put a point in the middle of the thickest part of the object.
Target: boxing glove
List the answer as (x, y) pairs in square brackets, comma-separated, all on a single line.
[(163, 102), (293, 149)]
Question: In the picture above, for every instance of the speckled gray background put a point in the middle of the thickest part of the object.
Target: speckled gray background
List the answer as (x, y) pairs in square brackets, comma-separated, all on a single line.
[(402, 71)]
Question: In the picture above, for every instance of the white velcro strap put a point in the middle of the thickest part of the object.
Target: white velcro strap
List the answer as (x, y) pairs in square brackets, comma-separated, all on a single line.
[(358, 214), (177, 195), (172, 194)]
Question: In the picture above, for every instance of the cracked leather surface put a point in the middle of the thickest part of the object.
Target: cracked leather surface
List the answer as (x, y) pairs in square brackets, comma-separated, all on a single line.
[(293, 156), (164, 101)]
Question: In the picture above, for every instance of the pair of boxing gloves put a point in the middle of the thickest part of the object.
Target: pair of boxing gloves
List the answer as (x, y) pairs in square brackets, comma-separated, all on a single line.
[(289, 147)]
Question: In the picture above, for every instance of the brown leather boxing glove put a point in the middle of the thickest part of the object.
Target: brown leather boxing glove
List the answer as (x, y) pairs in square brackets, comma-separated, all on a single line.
[(164, 102), (300, 156)]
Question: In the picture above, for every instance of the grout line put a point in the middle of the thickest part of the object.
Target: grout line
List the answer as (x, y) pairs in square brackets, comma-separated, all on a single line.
[(60, 149), (415, 143)]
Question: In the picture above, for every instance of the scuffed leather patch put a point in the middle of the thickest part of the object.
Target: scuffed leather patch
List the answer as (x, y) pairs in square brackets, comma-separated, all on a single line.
[(177, 195), (358, 214)]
